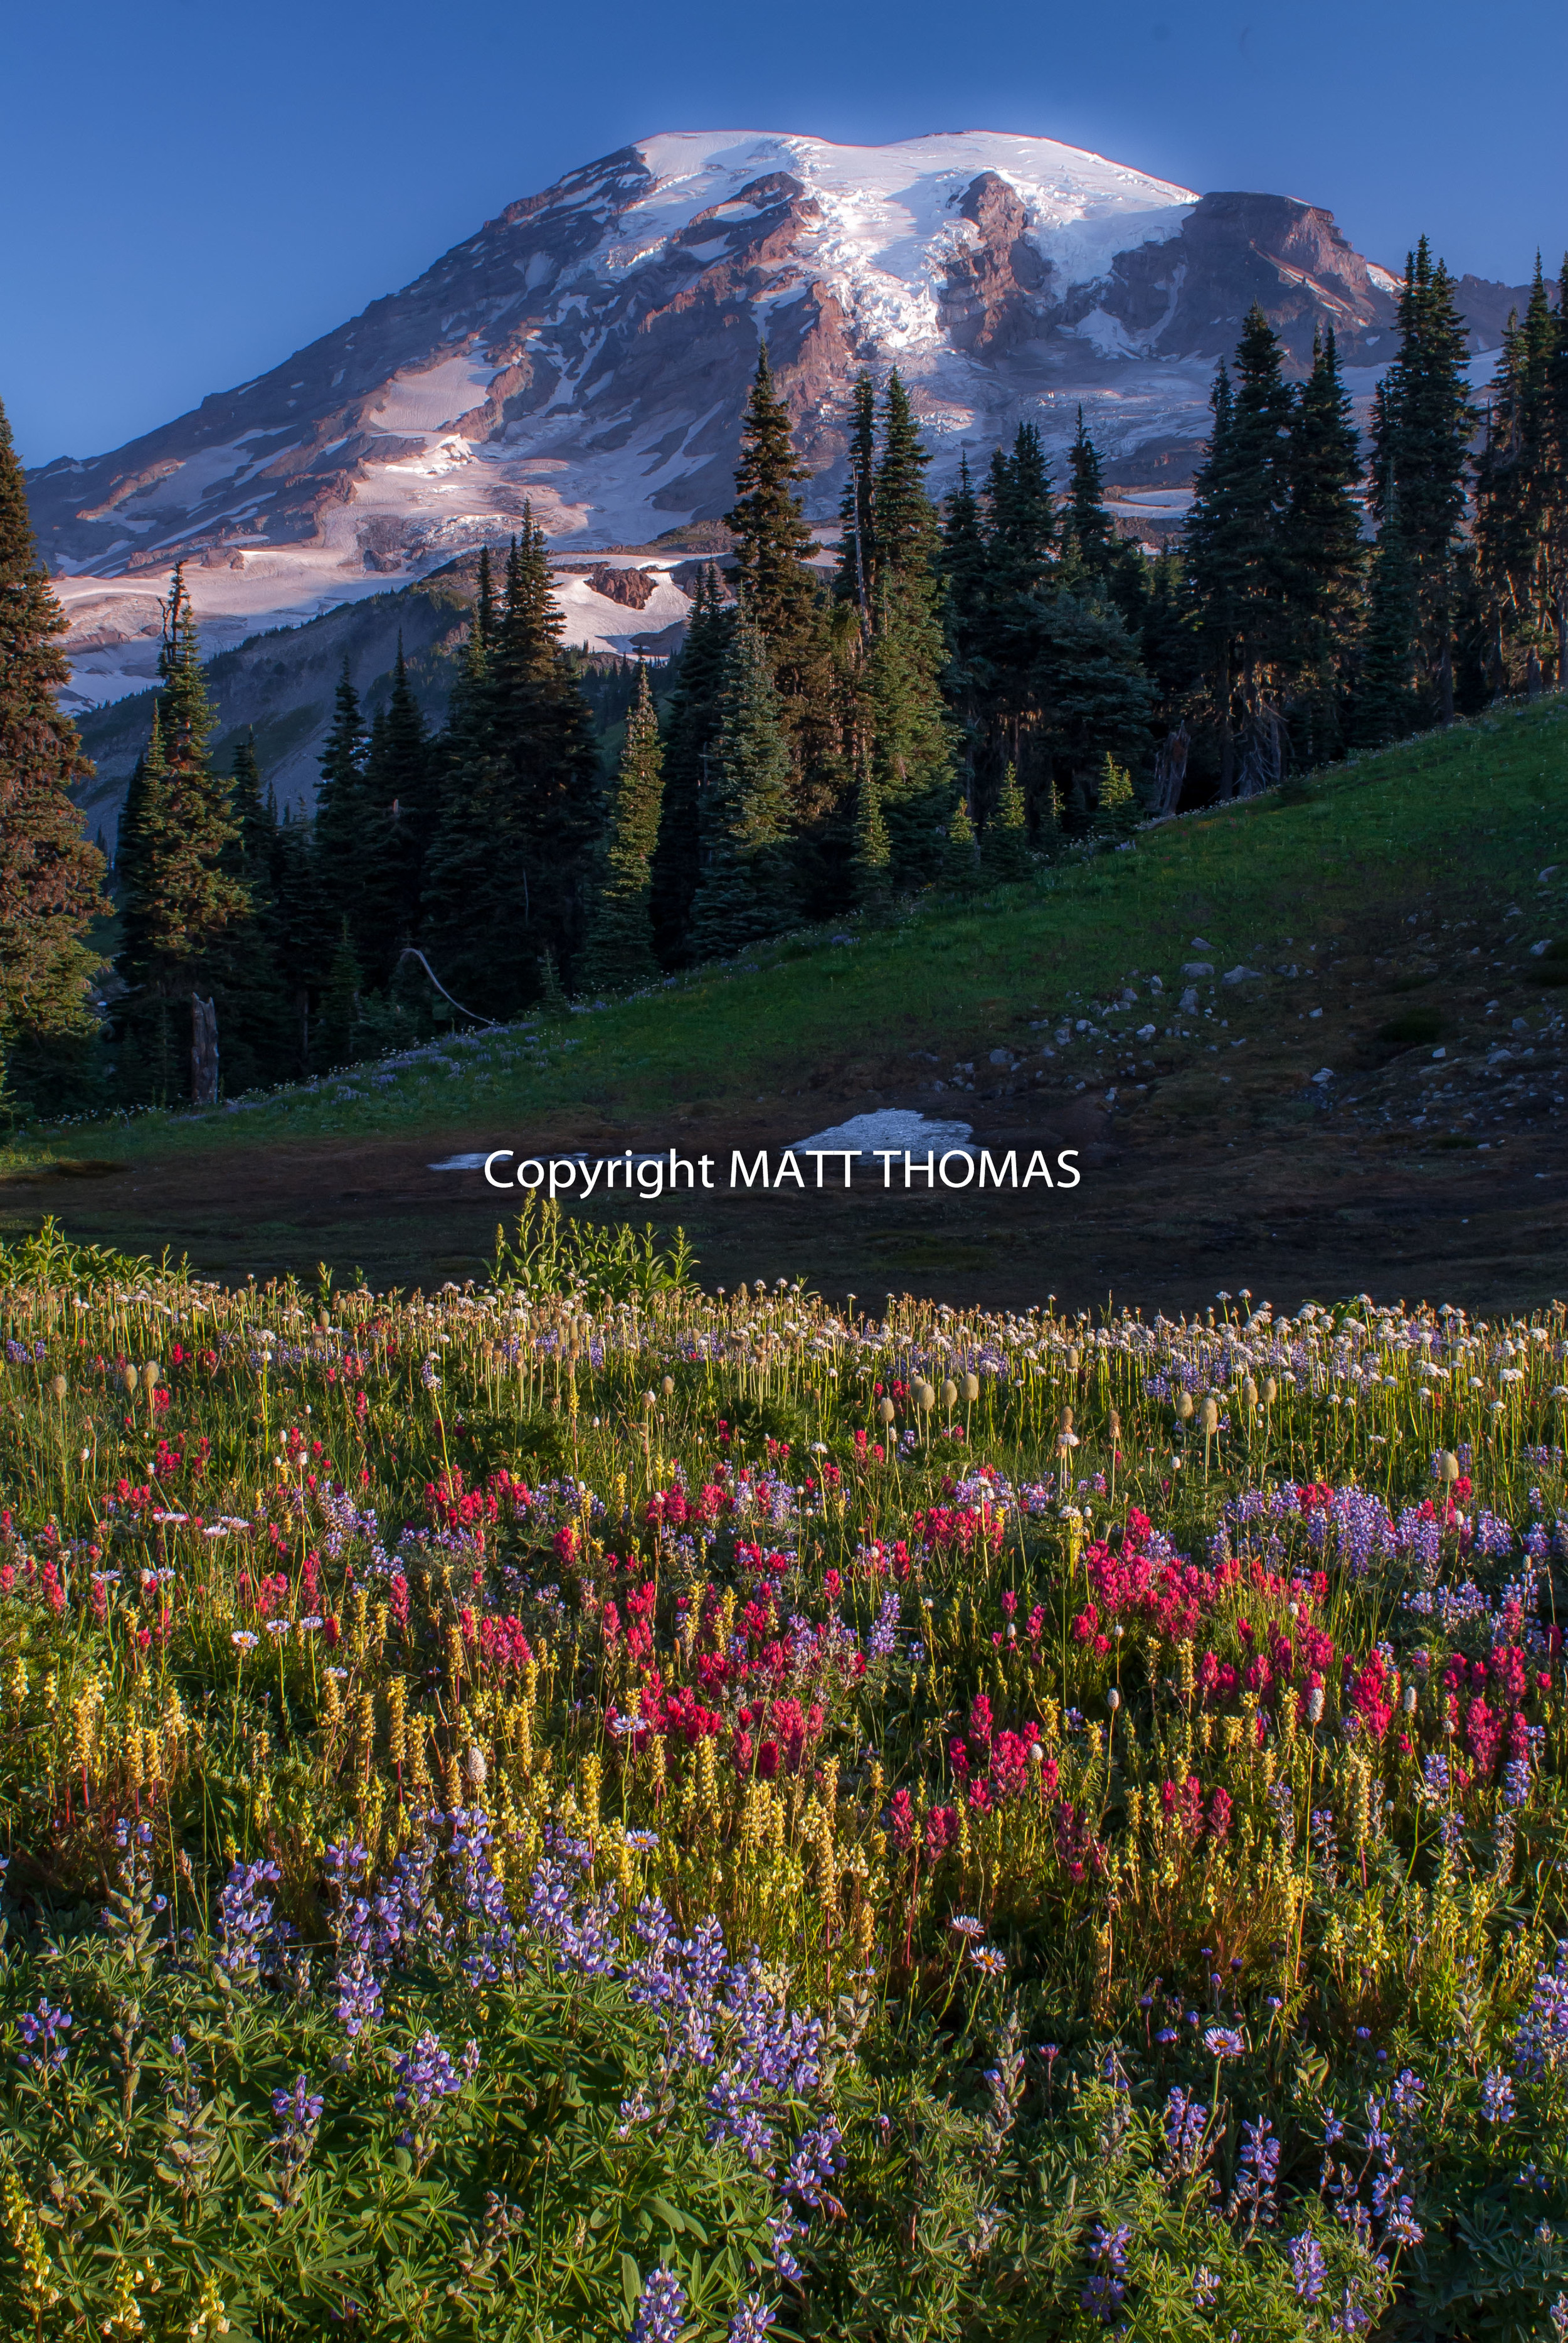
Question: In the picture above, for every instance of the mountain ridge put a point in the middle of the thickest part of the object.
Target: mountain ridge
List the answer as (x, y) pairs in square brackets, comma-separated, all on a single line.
[(586, 354)]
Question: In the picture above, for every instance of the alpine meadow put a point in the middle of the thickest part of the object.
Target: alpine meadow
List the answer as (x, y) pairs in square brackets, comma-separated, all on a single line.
[(567, 1773)]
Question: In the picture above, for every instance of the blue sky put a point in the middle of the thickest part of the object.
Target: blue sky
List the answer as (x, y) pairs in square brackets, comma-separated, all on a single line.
[(189, 192)]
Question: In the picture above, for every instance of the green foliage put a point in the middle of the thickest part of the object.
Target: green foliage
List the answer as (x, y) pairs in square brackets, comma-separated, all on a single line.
[(214, 2154), (618, 953), (1005, 848), (50, 877), (745, 890), (552, 1251)]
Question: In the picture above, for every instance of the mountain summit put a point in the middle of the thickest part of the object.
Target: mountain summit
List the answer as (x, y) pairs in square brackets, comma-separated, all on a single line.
[(588, 350)]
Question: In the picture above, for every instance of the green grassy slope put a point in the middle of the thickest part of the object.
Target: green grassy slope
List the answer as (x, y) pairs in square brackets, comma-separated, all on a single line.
[(1445, 830)]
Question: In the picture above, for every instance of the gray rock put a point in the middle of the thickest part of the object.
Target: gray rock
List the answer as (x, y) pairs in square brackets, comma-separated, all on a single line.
[(1197, 967), (1240, 975), (1189, 1001)]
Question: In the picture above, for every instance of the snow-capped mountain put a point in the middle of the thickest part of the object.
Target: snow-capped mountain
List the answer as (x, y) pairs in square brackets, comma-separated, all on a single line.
[(588, 353)]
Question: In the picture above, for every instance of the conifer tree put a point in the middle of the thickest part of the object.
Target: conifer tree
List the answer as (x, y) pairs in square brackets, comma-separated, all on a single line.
[(50, 877), (772, 539), (906, 534), (902, 687), (693, 724), (181, 895), (801, 626), (304, 927), (1116, 807), (1004, 849), (1515, 491), (508, 872), (244, 969), (965, 579), (619, 954), (341, 806), (398, 788), (550, 812), (340, 1005), (873, 857), (911, 748), (1325, 559), (857, 573), (1422, 424), (1386, 704), (1556, 532), (960, 855), (1236, 558), (744, 890), (1086, 524)]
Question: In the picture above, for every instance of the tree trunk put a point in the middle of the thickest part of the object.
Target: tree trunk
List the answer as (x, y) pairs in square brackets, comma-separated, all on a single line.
[(1445, 681), (204, 1051)]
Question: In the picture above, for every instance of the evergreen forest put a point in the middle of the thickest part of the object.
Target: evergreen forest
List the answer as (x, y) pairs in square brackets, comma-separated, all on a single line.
[(962, 688)]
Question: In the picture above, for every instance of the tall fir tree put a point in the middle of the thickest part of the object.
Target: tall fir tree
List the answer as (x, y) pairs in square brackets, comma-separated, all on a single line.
[(618, 956), (1421, 426), (399, 778), (689, 767), (901, 699), (744, 890), (772, 541), (341, 807), (1325, 558), (245, 966), (873, 852), (1236, 561), (550, 798), (1385, 705), (181, 896), (803, 629), (966, 595), (1516, 487), (857, 573), (51, 879), (1087, 527)]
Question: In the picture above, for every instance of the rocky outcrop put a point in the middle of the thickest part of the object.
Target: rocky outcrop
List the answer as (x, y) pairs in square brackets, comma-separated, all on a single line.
[(993, 296), (1188, 297)]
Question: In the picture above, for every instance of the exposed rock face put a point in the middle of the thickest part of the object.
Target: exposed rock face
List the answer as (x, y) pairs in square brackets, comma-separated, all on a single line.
[(1188, 295), (587, 356)]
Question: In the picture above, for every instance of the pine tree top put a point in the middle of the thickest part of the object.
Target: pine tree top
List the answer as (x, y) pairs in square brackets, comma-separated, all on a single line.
[(773, 540)]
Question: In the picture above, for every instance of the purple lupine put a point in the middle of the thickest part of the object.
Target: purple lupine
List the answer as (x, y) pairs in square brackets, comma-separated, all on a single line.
[(1497, 2102), (1105, 2289), (815, 2165), (1408, 2095), (661, 2308), (1309, 2268), (752, 2322), (426, 2074), (246, 1922), (1542, 2039), (1257, 2182), (884, 1638), (297, 2113), (1186, 2122), (44, 2031)]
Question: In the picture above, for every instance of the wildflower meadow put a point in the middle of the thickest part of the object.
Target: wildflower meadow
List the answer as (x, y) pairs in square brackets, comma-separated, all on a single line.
[(582, 1806)]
